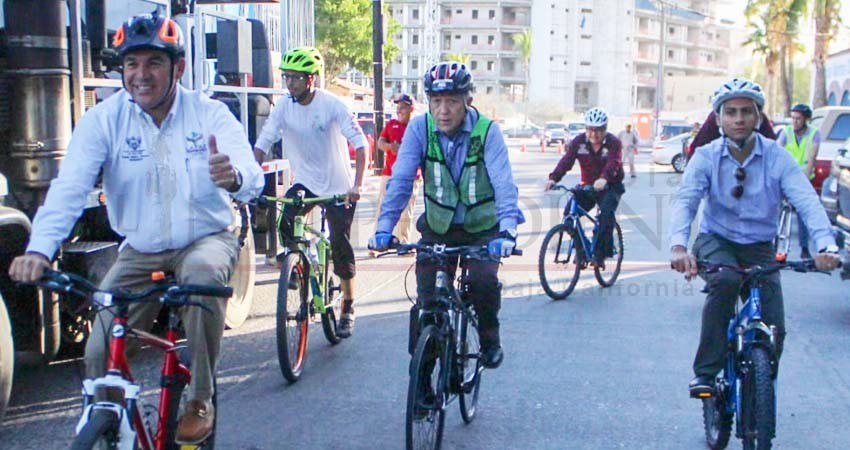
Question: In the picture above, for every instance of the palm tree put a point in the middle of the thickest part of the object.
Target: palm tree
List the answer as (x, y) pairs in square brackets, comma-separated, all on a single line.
[(776, 26), (523, 42), (827, 22)]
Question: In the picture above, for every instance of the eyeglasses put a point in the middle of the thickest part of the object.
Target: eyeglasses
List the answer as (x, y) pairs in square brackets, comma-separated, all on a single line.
[(595, 130), (740, 175), (294, 77)]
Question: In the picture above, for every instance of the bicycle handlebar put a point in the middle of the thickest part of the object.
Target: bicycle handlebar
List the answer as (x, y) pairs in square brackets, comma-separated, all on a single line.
[(575, 189), (170, 294), (268, 200), (755, 271), (479, 252)]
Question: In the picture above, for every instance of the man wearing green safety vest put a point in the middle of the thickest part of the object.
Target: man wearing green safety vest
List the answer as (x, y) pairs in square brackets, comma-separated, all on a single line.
[(470, 194), (802, 141)]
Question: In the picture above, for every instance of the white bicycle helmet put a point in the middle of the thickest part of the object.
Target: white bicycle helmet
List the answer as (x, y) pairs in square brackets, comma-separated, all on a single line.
[(595, 117), (738, 88)]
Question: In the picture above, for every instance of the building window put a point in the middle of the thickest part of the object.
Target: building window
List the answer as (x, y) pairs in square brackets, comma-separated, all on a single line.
[(490, 91), (584, 63), (414, 63), (415, 39), (458, 11), (511, 65), (474, 38), (586, 36), (671, 31), (586, 10), (491, 39), (473, 65), (457, 36), (671, 54), (415, 13), (490, 65), (474, 13), (493, 13)]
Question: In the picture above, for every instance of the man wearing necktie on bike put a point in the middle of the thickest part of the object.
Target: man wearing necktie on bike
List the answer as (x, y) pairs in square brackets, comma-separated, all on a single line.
[(743, 177)]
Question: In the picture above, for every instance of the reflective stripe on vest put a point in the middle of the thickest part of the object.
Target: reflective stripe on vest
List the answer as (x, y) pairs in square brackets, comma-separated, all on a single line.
[(798, 150), (442, 194)]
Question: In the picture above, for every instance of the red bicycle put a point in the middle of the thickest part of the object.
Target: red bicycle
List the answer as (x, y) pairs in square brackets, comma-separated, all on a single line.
[(113, 416)]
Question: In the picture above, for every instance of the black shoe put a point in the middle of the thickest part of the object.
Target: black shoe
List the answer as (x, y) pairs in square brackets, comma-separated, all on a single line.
[(804, 254), (701, 386), (492, 356)]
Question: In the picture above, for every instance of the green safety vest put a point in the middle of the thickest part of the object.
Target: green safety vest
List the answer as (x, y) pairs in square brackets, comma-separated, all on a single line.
[(798, 150), (474, 190)]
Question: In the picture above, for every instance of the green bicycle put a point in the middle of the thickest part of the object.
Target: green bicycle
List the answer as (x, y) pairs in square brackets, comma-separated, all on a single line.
[(307, 286)]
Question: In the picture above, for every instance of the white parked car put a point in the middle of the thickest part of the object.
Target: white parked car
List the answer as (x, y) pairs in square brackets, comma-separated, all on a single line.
[(668, 152)]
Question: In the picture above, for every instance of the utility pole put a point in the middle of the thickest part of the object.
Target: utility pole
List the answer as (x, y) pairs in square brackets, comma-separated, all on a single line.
[(378, 74), (659, 72)]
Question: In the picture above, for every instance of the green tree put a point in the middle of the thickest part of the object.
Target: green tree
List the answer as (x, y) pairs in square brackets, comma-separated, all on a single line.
[(827, 22), (344, 35), (523, 43), (775, 26), (459, 57)]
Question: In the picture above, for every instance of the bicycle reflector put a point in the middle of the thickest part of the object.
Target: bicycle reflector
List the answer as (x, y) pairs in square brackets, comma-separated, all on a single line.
[(781, 257), (158, 276)]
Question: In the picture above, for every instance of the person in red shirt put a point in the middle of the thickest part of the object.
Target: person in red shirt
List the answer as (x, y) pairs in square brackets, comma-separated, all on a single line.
[(600, 156), (389, 142)]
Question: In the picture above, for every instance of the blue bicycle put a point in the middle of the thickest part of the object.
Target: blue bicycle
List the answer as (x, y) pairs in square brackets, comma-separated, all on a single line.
[(567, 249), (746, 389)]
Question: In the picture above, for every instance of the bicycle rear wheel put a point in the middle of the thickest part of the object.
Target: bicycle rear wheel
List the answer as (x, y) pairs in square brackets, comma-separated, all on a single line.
[(425, 413), (758, 402), (468, 366), (101, 432), (333, 303), (292, 316), (559, 262), (607, 275), (717, 422)]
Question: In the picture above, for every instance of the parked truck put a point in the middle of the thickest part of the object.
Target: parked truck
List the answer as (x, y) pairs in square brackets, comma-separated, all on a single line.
[(54, 64)]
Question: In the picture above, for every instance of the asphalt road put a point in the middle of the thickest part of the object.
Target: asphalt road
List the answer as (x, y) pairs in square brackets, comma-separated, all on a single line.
[(604, 369)]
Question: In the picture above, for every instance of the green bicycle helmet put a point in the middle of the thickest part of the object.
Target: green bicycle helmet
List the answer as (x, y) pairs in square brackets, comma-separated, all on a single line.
[(302, 59)]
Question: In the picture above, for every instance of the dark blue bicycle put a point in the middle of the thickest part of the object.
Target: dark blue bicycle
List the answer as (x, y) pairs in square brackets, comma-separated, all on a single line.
[(567, 249), (746, 389)]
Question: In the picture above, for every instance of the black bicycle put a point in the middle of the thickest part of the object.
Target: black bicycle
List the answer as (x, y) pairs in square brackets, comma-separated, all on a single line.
[(446, 361), (566, 250)]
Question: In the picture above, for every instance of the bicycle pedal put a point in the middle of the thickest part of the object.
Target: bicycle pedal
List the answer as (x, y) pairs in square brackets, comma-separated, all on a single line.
[(702, 395)]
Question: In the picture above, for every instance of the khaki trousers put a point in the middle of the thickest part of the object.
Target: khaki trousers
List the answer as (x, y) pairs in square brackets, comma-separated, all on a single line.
[(208, 261), (405, 221)]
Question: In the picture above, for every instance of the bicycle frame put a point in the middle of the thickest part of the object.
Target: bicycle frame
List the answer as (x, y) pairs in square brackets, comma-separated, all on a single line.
[(118, 375), (746, 329), (575, 216), (300, 230)]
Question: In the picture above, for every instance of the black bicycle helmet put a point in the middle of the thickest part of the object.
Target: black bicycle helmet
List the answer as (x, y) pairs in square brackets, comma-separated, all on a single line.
[(803, 109), (448, 77), (149, 31)]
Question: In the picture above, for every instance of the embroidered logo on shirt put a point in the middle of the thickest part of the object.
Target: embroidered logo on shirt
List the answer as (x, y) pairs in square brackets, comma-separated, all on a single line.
[(196, 144), (133, 151), (582, 150)]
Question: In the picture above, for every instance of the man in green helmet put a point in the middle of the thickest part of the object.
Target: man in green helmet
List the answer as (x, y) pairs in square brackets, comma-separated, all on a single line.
[(314, 127), (470, 194)]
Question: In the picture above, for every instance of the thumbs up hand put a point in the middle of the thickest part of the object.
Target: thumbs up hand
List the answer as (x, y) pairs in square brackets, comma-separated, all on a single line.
[(222, 172)]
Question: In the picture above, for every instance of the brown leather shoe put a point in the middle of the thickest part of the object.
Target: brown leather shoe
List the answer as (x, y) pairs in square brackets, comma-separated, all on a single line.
[(196, 423)]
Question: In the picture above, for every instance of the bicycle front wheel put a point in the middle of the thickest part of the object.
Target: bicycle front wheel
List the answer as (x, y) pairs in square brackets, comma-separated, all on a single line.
[(425, 413), (292, 316), (607, 274), (333, 303), (468, 365), (101, 432), (717, 422), (558, 264), (758, 402)]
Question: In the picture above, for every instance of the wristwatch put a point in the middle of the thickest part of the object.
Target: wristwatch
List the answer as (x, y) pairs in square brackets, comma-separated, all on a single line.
[(237, 181), (832, 248)]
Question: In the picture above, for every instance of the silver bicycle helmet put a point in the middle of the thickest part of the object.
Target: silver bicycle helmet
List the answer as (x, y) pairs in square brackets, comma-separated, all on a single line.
[(738, 88), (595, 117)]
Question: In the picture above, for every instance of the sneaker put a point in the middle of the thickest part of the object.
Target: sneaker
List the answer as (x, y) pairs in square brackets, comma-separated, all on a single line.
[(346, 325), (196, 423), (492, 356), (701, 386)]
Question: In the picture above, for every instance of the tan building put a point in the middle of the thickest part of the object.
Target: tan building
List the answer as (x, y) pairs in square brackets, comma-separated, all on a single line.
[(482, 31)]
